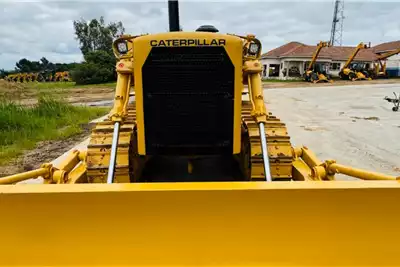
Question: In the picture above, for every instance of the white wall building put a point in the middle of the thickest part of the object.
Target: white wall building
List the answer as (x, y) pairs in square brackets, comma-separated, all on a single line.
[(295, 56)]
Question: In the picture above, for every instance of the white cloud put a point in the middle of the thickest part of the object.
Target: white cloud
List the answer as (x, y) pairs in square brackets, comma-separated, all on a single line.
[(34, 29)]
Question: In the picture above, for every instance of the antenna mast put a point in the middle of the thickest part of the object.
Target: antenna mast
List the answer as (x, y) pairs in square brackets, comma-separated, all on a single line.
[(337, 24)]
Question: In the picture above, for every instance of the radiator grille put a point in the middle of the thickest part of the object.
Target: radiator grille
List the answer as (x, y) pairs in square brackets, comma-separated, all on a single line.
[(188, 95)]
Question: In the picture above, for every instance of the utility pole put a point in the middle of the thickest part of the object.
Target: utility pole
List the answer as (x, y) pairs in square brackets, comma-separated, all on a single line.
[(337, 24)]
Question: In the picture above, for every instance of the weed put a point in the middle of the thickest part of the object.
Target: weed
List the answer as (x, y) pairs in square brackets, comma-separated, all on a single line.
[(22, 127)]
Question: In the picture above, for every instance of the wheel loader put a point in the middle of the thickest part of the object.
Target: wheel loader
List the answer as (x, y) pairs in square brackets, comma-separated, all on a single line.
[(314, 72), (354, 72), (191, 169)]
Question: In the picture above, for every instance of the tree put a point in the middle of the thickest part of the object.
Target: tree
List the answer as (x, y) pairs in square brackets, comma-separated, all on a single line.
[(45, 63), (99, 67), (96, 35), (3, 73), (96, 39), (24, 65)]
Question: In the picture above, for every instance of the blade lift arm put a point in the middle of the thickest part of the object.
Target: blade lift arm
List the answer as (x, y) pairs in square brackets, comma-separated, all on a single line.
[(119, 111), (251, 74)]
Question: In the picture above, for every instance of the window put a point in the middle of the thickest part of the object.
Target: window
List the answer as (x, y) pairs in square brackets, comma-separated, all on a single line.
[(335, 66)]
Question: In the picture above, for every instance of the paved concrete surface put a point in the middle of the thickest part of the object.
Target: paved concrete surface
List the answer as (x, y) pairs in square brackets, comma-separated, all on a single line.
[(351, 124)]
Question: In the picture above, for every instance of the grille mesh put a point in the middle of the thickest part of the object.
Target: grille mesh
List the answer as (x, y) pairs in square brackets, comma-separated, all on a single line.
[(188, 95)]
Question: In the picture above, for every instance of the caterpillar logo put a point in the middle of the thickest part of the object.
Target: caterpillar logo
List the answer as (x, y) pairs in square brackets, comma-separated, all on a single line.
[(188, 42)]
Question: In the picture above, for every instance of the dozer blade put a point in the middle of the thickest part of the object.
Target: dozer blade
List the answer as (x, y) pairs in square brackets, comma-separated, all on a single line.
[(201, 224)]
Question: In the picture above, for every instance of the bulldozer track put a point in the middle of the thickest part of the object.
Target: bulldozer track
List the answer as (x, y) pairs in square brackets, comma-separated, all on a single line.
[(279, 148), (99, 149)]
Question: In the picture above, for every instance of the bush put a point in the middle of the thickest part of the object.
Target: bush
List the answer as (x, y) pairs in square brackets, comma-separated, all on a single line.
[(91, 73), (99, 67)]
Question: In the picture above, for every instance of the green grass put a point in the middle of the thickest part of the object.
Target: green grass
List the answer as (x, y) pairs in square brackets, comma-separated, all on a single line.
[(64, 85), (22, 127)]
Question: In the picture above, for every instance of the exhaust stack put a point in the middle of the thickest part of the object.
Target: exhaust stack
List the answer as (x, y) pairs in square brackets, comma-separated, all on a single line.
[(173, 13)]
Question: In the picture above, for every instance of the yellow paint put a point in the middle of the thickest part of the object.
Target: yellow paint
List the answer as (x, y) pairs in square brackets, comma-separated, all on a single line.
[(361, 174), (234, 50), (316, 53), (204, 224), (19, 177)]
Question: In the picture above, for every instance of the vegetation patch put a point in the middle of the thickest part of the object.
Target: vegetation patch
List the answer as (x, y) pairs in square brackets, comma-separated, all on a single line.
[(65, 85), (50, 119)]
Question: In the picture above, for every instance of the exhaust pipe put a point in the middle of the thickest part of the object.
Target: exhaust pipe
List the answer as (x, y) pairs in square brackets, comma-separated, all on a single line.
[(173, 13)]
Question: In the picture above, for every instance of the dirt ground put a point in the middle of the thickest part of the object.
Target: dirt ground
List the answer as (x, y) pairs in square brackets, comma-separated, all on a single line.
[(44, 152), (25, 95)]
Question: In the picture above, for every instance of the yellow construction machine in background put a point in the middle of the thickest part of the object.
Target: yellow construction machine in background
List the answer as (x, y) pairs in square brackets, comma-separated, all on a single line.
[(380, 67), (314, 73), (357, 71), (191, 169), (62, 76)]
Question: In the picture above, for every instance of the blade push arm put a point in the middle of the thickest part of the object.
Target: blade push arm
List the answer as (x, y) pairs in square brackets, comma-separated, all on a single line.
[(307, 167), (70, 171)]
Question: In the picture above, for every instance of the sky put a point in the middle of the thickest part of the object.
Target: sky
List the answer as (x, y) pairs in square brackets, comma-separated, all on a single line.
[(35, 29)]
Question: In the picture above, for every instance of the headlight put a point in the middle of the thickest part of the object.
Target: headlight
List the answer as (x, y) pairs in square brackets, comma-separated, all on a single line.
[(122, 47), (253, 49)]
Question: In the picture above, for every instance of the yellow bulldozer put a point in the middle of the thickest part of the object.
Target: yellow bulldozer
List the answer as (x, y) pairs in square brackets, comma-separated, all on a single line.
[(190, 169), (314, 73)]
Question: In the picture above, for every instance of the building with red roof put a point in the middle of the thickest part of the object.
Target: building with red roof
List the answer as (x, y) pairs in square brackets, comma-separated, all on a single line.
[(294, 56)]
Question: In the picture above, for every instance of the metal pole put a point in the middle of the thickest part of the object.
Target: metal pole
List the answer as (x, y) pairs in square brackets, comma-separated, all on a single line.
[(24, 176), (267, 170), (113, 157), (173, 13)]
